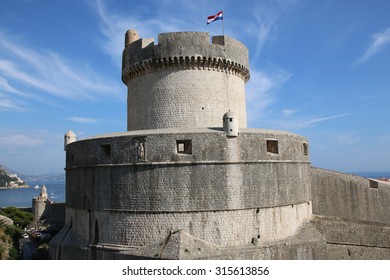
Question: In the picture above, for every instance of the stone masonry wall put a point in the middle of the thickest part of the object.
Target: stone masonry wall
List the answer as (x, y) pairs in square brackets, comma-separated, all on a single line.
[(186, 98), (349, 197), (212, 177), (224, 228), (227, 191)]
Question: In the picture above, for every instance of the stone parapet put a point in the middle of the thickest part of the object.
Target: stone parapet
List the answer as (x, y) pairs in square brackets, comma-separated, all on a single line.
[(185, 50), (184, 171)]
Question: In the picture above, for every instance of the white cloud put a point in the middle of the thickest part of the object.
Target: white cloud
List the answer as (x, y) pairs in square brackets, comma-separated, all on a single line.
[(83, 120), (4, 85), (32, 150), (10, 105), (378, 43), (48, 73), (297, 122), (114, 24), (261, 92), (19, 139), (266, 16), (11, 70), (289, 112), (348, 139)]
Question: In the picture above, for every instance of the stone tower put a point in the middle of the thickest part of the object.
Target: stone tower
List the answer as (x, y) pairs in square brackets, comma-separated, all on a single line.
[(39, 203), (184, 81), (188, 179)]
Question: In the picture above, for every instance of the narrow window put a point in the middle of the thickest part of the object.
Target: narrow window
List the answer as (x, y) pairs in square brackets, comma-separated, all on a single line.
[(373, 184), (184, 147), (96, 241), (272, 146), (305, 149), (106, 148)]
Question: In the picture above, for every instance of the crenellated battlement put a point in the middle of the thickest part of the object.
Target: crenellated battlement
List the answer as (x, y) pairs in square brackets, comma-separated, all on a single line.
[(184, 50), (177, 63)]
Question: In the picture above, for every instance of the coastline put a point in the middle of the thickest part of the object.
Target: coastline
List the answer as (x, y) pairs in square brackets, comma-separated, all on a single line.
[(18, 187)]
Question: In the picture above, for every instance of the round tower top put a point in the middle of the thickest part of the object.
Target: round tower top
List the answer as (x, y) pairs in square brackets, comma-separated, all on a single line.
[(229, 115), (131, 36), (223, 53), (70, 133), (43, 192), (69, 137)]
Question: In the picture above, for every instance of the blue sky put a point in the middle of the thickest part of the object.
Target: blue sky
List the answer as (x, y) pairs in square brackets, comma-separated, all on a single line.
[(318, 68)]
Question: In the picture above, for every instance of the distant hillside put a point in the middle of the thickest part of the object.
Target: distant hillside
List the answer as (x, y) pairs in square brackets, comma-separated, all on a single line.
[(47, 176), (10, 180)]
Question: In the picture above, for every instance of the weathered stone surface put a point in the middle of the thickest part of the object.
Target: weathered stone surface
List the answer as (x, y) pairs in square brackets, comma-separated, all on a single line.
[(178, 186)]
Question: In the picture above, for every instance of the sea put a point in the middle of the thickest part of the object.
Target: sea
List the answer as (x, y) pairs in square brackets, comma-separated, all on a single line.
[(56, 190), (23, 197)]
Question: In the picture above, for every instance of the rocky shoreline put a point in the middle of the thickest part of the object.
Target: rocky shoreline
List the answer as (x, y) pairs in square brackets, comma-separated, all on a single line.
[(16, 187)]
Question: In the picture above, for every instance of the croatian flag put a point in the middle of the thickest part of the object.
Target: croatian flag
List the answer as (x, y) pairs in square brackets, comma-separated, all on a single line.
[(218, 16)]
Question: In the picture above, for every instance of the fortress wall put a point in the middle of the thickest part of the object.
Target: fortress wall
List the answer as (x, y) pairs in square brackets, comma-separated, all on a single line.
[(215, 176), (187, 187), (207, 145), (349, 197), (55, 214), (227, 191), (224, 228), (186, 98), (348, 239)]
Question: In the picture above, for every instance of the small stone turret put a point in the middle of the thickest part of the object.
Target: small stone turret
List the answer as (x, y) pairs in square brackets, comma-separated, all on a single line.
[(69, 137), (230, 124), (131, 36), (43, 192)]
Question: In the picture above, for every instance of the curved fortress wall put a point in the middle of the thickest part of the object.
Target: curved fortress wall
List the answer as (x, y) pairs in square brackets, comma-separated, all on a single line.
[(184, 81), (225, 191), (187, 166)]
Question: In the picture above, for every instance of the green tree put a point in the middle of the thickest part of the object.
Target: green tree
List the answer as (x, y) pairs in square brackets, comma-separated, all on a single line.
[(14, 233), (20, 217)]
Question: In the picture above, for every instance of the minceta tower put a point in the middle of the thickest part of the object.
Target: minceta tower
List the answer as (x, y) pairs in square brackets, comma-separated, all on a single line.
[(188, 179)]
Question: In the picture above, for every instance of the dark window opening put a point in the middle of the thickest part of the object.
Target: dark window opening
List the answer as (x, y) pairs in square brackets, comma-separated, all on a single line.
[(305, 149), (273, 146), (106, 148), (96, 241), (374, 184), (184, 147)]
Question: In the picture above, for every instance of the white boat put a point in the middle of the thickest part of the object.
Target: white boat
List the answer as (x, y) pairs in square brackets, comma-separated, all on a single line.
[(36, 187)]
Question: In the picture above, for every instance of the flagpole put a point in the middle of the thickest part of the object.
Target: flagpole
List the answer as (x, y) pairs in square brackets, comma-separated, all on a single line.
[(223, 28)]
